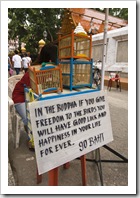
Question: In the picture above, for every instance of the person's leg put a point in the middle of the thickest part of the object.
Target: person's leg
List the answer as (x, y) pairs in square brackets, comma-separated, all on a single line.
[(17, 70), (109, 84), (117, 84), (25, 69), (9, 73), (21, 109)]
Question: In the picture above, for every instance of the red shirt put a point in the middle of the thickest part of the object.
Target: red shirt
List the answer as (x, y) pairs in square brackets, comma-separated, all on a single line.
[(18, 92)]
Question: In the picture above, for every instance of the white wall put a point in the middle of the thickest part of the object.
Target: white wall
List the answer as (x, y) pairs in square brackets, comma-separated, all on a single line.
[(117, 49)]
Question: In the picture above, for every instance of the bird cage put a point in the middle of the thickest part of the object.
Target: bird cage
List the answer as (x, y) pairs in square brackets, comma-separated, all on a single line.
[(45, 80), (75, 46)]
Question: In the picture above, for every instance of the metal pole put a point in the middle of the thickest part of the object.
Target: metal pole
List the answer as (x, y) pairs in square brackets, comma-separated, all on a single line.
[(104, 48)]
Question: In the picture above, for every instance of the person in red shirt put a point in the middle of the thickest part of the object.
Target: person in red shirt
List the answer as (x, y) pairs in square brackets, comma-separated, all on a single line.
[(48, 53), (116, 78), (18, 92)]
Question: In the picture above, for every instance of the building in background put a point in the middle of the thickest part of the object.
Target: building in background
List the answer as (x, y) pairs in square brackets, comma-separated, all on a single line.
[(116, 51)]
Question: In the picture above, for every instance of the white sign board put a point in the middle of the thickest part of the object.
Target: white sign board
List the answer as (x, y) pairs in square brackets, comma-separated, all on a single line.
[(69, 127)]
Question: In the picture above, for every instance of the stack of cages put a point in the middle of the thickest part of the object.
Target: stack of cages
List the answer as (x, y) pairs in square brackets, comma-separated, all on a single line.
[(45, 81), (75, 60)]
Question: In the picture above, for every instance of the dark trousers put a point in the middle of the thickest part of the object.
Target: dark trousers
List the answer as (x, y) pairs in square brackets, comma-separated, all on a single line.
[(25, 69), (17, 70)]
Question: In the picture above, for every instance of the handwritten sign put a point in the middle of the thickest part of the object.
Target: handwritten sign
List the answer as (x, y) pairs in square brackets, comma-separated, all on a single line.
[(69, 127)]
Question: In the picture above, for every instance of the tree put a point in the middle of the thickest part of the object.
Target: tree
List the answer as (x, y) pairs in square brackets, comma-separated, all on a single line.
[(117, 12), (30, 23)]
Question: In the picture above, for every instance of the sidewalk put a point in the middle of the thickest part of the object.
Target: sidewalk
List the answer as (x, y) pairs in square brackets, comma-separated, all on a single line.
[(11, 179), (23, 161)]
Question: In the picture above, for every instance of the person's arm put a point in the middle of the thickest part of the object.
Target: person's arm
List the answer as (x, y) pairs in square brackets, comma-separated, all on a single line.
[(22, 63), (31, 62), (12, 61), (9, 61)]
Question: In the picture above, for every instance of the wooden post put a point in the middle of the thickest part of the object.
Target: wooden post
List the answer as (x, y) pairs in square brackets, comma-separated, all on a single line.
[(83, 169), (53, 177)]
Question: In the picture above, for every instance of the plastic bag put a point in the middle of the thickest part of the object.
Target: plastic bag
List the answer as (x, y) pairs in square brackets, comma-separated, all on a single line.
[(11, 72)]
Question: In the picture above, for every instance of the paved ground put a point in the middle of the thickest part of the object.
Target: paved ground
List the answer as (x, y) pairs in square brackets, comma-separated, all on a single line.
[(23, 161)]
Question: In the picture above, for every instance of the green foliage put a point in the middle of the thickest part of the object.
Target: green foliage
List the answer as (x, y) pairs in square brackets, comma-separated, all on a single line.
[(117, 12), (30, 23)]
